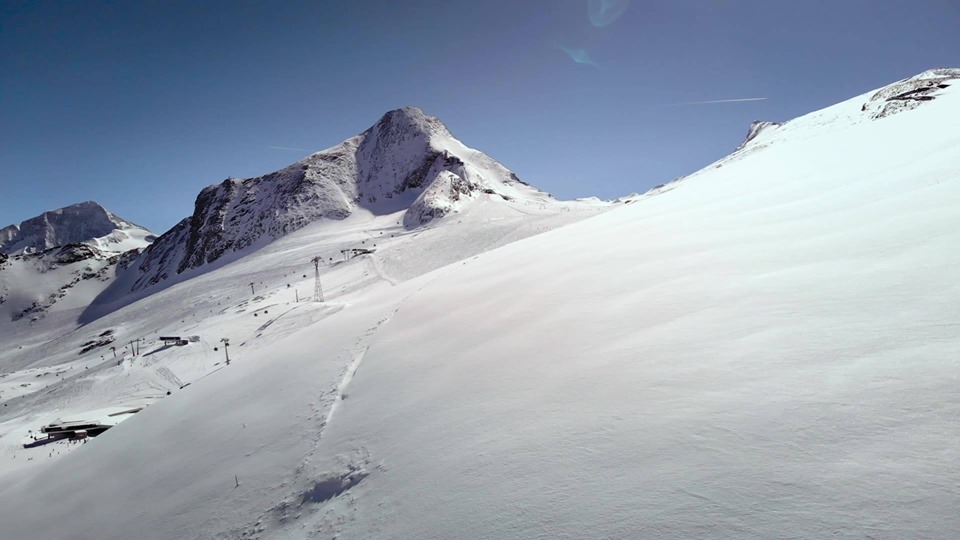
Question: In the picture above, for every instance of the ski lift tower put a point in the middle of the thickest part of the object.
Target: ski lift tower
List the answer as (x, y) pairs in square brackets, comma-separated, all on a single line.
[(317, 289)]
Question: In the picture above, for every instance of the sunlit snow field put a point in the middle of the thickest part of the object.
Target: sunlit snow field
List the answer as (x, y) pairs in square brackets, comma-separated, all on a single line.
[(767, 348)]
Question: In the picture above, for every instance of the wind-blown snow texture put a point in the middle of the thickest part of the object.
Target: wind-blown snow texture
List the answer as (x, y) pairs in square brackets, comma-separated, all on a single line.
[(764, 349)]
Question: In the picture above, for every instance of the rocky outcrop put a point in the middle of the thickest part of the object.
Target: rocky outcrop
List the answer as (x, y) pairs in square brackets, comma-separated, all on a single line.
[(910, 93), (755, 129), (82, 223)]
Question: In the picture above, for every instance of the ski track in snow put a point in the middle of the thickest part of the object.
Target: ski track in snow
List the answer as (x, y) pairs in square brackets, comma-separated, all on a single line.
[(332, 484), (315, 492), (264, 326), (323, 498), (357, 354), (362, 346), (378, 268)]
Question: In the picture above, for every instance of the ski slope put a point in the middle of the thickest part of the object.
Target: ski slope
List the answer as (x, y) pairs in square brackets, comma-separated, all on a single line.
[(764, 349), (62, 370)]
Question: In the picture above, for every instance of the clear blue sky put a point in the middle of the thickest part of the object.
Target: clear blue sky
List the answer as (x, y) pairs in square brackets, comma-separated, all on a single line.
[(138, 105)]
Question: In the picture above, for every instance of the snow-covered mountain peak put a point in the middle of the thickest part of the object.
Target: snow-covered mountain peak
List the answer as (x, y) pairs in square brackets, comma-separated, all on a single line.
[(410, 120), (82, 223), (60, 260), (406, 162)]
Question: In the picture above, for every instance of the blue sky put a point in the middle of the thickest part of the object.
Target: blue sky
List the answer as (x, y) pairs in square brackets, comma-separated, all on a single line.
[(138, 105)]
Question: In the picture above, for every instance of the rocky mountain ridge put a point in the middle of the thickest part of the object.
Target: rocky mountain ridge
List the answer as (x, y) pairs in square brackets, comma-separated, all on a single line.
[(81, 223), (407, 162)]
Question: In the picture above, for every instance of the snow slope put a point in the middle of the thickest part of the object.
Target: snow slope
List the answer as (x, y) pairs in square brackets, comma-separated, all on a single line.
[(55, 264), (765, 349), (60, 369), (65, 278)]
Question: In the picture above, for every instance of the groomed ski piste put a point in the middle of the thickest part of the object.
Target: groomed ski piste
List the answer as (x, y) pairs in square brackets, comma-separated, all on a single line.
[(767, 348)]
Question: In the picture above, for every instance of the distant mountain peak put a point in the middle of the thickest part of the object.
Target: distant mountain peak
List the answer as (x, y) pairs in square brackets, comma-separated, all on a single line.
[(405, 162), (82, 223)]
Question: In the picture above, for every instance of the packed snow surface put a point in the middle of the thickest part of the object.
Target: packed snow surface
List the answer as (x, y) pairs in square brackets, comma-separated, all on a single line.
[(764, 349)]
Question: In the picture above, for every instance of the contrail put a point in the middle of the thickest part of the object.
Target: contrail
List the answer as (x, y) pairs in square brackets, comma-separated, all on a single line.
[(580, 56), (718, 101), (288, 148)]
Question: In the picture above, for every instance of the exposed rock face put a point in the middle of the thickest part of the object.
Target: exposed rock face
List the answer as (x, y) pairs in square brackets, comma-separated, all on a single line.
[(407, 161), (755, 129), (124, 260), (910, 93), (45, 257), (8, 234), (86, 223), (72, 253), (892, 99)]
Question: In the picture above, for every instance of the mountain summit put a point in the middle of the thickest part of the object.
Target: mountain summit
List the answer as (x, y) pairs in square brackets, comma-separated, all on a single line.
[(81, 223), (407, 162), (61, 259)]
